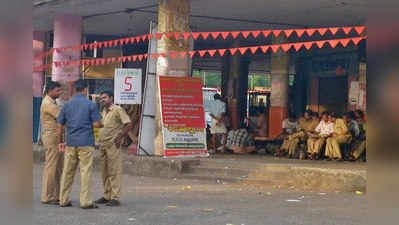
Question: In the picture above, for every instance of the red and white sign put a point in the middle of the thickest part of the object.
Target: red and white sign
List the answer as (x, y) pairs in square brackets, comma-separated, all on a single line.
[(183, 122), (127, 86)]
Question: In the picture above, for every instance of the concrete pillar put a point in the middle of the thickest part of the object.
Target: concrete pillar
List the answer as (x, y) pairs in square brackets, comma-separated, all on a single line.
[(279, 69), (173, 16), (67, 32), (39, 42), (237, 87)]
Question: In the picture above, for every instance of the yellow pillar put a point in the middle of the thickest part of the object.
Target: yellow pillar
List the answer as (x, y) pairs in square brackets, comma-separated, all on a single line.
[(173, 16)]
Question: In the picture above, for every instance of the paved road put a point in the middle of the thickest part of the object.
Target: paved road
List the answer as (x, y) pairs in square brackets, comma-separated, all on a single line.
[(154, 201)]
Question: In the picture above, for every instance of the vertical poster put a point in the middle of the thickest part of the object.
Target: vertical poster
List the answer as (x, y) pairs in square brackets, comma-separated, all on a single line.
[(183, 122), (127, 86)]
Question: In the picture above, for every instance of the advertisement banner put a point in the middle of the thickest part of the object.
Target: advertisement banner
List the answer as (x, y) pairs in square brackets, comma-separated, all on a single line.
[(183, 117), (127, 86)]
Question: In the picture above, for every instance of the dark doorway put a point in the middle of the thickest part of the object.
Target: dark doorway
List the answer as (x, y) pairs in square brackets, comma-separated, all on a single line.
[(333, 94)]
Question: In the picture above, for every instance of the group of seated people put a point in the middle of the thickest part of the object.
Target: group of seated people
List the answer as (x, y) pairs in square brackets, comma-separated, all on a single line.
[(325, 137)]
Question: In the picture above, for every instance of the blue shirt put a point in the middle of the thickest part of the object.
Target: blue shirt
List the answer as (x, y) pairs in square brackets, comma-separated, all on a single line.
[(78, 115)]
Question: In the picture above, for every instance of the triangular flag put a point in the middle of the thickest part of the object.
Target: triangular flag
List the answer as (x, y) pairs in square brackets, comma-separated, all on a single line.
[(221, 52), (298, 46), (122, 41), (254, 49), (124, 59), (333, 30), (186, 35), (108, 60), (265, 48), (177, 35), (145, 56), (192, 53), (357, 40), (243, 50), (105, 44), (320, 44), (347, 30), (310, 32), (149, 36), (159, 36), (173, 54), (113, 59), (132, 40), (276, 33), (286, 47), (93, 62), (202, 52), (127, 40), (130, 58), (183, 54), (140, 57), (288, 33), (299, 32), (120, 58), (225, 35), (102, 61), (211, 52), (143, 37), (308, 45), (155, 55), (134, 58), (235, 34), (116, 42), (215, 35), (205, 35), (360, 29), (344, 42), (138, 39), (266, 33), (195, 35), (110, 43), (163, 55), (233, 51), (333, 43), (322, 31), (255, 33), (169, 35), (275, 48), (245, 34)]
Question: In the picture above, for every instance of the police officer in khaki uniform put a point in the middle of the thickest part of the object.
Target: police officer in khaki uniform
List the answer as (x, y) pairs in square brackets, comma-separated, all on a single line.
[(54, 159), (79, 115), (117, 125)]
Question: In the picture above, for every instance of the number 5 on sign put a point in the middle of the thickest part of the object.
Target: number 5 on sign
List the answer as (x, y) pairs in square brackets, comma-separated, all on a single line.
[(127, 86)]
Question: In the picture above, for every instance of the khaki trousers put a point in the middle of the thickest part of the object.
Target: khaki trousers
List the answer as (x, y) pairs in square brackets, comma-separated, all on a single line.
[(52, 171), (360, 148), (290, 144), (333, 149), (74, 156), (315, 145), (111, 170)]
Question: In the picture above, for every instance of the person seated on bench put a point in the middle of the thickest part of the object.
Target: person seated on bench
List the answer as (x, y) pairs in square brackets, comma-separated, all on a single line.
[(317, 138), (340, 135), (306, 124), (353, 126), (359, 146), (240, 141)]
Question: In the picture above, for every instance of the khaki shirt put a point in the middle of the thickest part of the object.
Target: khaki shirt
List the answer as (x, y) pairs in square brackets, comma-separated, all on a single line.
[(340, 127), (49, 111), (113, 119), (308, 125)]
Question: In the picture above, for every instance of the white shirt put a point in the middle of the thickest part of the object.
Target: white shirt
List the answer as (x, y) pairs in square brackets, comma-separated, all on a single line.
[(217, 108), (290, 126), (325, 128)]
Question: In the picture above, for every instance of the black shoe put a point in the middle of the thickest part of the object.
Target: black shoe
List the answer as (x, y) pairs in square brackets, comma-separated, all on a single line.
[(69, 204), (92, 206), (52, 202), (102, 201), (113, 203)]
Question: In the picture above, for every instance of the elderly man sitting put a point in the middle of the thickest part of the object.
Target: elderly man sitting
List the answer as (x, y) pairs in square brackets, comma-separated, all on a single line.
[(240, 141)]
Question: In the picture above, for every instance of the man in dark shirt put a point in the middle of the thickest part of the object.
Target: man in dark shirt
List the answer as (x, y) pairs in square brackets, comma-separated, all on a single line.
[(79, 115)]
